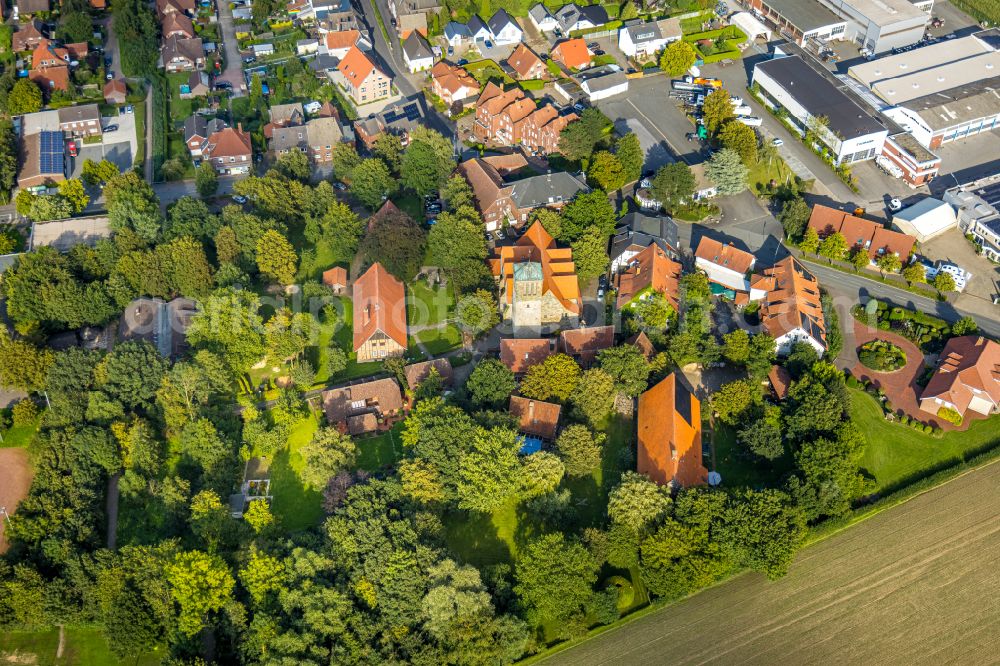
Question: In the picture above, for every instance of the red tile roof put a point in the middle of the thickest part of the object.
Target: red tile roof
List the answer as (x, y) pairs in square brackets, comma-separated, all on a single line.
[(584, 343), (417, 372), (858, 231), (968, 367), (794, 302), (572, 53), (342, 39), (525, 62), (335, 277), (356, 67), (535, 417), (645, 345), (670, 434), (381, 396), (558, 270), (228, 142), (727, 256), (650, 269), (379, 301), (780, 381), (519, 354)]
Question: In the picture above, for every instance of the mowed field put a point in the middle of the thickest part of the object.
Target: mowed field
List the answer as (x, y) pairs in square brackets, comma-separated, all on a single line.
[(15, 479), (916, 584)]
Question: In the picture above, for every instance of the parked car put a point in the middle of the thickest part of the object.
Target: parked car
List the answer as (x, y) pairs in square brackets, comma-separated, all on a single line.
[(777, 142), (250, 59), (71, 147), (109, 75), (593, 45), (223, 85), (598, 52), (451, 50), (579, 107), (339, 186), (488, 44), (463, 62), (499, 235), (129, 109), (895, 204), (111, 128), (239, 198)]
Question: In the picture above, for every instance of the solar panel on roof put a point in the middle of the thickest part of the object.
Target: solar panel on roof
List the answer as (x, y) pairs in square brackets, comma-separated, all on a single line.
[(51, 148)]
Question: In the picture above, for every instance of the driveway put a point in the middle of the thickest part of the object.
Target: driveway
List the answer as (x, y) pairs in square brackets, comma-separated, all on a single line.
[(111, 46), (119, 146), (234, 61), (952, 246)]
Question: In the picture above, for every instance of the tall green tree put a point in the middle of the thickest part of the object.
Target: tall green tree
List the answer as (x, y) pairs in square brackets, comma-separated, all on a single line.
[(555, 578), (327, 453), (397, 242), (630, 154), (727, 171), (554, 378), (206, 180), (717, 110), (579, 139), (372, 183), (200, 584), (677, 58), (456, 244), (490, 384), (276, 258), (673, 184), (741, 138)]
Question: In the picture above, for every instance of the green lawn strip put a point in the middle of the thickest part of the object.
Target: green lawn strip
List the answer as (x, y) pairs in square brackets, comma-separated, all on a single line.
[(298, 506), (426, 306), (380, 451), (438, 340), (180, 109), (764, 171), (83, 646), (897, 455), (139, 112)]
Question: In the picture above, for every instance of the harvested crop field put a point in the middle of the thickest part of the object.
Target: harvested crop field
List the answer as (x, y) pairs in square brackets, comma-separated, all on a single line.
[(15, 479), (916, 584)]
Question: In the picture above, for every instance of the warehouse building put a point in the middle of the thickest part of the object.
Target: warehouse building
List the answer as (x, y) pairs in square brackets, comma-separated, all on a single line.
[(880, 25), (800, 20), (943, 92), (788, 82)]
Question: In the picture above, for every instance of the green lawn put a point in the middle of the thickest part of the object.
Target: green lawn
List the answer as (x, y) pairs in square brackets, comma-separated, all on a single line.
[(380, 451), (409, 203), (897, 454), (438, 340), (298, 506), (180, 109), (739, 470), (344, 338), (19, 436), (84, 646), (425, 306), (764, 172)]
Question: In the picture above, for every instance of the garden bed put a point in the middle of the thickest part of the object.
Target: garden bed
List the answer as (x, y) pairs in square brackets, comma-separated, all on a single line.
[(881, 356), (927, 332)]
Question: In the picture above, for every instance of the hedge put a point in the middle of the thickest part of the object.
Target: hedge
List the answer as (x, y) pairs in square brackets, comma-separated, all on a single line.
[(610, 26)]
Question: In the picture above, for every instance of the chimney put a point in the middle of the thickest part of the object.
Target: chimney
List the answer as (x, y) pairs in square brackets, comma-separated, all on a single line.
[(531, 411)]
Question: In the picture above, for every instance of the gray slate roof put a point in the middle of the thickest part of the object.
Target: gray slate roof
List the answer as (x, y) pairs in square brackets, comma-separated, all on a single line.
[(499, 21), (568, 15), (416, 48), (546, 189), (644, 230), (197, 125), (456, 29)]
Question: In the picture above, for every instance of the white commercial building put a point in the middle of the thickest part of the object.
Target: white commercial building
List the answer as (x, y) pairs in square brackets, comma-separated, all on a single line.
[(880, 25), (926, 219)]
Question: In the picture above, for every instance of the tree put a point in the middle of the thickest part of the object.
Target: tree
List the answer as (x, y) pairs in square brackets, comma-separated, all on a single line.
[(131, 373), (262, 576), (555, 578), (389, 149), (345, 158), (200, 583), (794, 217), (580, 449), (327, 453), (75, 26), (454, 591), (717, 110), (395, 241), (944, 282), (276, 257), (677, 58), (627, 366), (132, 205), (24, 97), (578, 140), (736, 346), (629, 152), (489, 474), (733, 400), (295, 165), (72, 190), (229, 324), (915, 272), (477, 313), (673, 184), (341, 228), (859, 258), (591, 209), (49, 207), (637, 503), (336, 361), (135, 25), (741, 138), (372, 183), (606, 171), (810, 241), (594, 396), (652, 313), (540, 474), (427, 162), (762, 354), (456, 244), (762, 438), (96, 173), (206, 180), (554, 378), (833, 246), (590, 254), (761, 530), (490, 384), (258, 516), (888, 262), (727, 171), (191, 217), (457, 193), (829, 478), (965, 326)]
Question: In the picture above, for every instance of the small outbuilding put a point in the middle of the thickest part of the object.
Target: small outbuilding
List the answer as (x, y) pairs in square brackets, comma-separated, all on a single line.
[(336, 279), (926, 219)]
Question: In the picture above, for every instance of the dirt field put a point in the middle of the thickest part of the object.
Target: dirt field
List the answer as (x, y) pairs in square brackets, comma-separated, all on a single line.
[(15, 479), (914, 585)]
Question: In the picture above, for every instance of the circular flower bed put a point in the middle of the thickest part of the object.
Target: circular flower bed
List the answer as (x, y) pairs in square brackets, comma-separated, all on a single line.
[(881, 355)]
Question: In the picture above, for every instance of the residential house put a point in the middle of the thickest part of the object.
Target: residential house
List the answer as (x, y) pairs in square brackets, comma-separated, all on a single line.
[(379, 303), (859, 232), (285, 139), (80, 121), (401, 8), (511, 118), (519, 354), (637, 39), (584, 344), (453, 84), (571, 53), (336, 279), (164, 7), (399, 118), (457, 34), (260, 50), (28, 36), (322, 134), (504, 28), (417, 54), (539, 289), (333, 15), (574, 17), (77, 51), (409, 24), (362, 408), (416, 373), (642, 342), (780, 381), (526, 64), (791, 310), (669, 434), (726, 265), (229, 150), (535, 418), (50, 66), (196, 132), (637, 231), (304, 47), (115, 91), (479, 30), (340, 42), (42, 160), (162, 324), (50, 78), (500, 202), (284, 115), (197, 85), (649, 271), (182, 55), (361, 79), (27, 8), (177, 24), (542, 19), (967, 378)]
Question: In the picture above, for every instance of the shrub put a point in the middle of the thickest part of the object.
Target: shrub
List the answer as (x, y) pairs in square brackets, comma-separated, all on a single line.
[(884, 325), (881, 355), (852, 381), (888, 406), (950, 415), (904, 419), (24, 412), (927, 428), (626, 593)]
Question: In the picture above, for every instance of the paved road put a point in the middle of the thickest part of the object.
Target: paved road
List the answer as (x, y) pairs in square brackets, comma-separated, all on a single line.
[(912, 585), (234, 61), (111, 46)]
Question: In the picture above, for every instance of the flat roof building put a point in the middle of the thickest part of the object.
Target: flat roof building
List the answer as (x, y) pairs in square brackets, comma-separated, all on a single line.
[(880, 25), (800, 20), (851, 133)]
